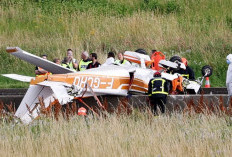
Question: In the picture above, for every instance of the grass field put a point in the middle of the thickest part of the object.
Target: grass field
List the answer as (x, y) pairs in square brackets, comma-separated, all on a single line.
[(134, 135), (199, 30)]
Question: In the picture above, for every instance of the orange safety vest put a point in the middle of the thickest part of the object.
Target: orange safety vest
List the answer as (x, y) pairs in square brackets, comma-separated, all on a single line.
[(177, 84), (156, 57)]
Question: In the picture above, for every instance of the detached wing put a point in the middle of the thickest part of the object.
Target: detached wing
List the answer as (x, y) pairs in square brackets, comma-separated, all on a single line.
[(38, 61)]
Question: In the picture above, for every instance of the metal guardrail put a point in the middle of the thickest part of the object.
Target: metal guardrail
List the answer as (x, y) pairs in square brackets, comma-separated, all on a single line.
[(13, 91), (22, 91), (218, 90), (15, 97)]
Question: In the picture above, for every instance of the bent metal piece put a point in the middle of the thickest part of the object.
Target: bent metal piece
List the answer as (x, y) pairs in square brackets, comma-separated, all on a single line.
[(95, 96)]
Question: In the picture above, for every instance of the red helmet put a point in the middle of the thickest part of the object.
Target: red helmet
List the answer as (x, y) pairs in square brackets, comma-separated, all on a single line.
[(184, 60), (157, 74), (82, 111)]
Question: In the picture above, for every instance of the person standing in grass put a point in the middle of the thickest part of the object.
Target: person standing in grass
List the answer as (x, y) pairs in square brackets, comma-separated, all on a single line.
[(110, 59), (122, 60), (229, 75), (158, 88), (95, 63), (56, 60), (65, 63), (85, 61), (71, 62)]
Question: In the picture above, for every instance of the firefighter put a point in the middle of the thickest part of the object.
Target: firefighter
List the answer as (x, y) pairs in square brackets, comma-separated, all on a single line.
[(158, 88), (188, 72), (122, 60), (229, 74), (85, 61)]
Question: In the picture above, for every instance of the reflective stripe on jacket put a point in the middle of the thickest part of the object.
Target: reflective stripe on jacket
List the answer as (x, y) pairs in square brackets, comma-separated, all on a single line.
[(70, 65), (124, 61), (83, 64), (158, 86), (185, 76), (65, 65), (121, 62)]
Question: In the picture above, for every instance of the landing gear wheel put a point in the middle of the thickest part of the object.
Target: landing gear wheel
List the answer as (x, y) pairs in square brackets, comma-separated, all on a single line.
[(207, 71), (175, 58)]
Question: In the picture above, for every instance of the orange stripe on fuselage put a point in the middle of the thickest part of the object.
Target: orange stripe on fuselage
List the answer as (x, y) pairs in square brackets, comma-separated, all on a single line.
[(140, 83), (131, 56), (39, 79), (138, 88), (136, 60), (125, 87), (96, 81)]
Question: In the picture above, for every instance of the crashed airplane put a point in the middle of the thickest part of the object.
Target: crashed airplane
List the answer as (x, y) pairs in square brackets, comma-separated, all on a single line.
[(65, 85)]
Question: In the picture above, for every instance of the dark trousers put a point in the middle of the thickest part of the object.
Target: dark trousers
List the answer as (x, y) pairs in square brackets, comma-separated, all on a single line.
[(158, 101)]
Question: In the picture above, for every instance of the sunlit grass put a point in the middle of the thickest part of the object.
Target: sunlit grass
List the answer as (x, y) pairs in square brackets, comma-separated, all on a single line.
[(199, 31), (134, 135), (198, 129)]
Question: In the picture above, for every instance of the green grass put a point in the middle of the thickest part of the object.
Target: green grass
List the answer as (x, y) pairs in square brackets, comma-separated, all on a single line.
[(199, 30), (126, 135)]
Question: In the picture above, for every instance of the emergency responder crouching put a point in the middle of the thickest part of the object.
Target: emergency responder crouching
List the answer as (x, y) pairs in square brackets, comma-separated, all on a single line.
[(158, 88)]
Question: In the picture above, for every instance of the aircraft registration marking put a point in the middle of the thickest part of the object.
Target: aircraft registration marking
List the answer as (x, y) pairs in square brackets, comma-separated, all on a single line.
[(94, 82)]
